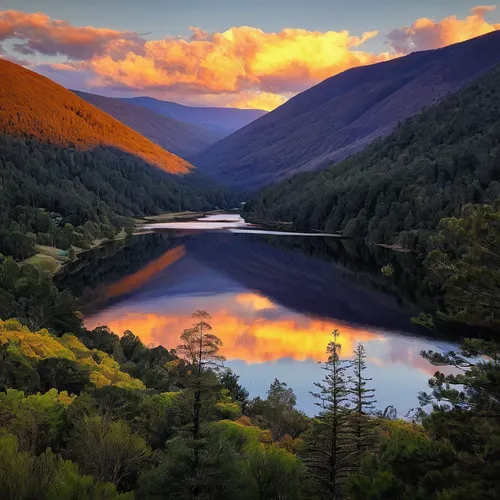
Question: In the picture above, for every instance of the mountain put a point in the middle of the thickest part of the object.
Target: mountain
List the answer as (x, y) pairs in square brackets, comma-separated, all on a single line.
[(399, 187), (183, 139), (343, 114), (70, 174), (34, 106), (223, 121)]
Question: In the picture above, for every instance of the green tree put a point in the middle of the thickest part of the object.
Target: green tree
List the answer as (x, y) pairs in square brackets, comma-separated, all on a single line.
[(363, 401), (108, 450), (467, 266), (330, 449), (201, 350), (230, 381)]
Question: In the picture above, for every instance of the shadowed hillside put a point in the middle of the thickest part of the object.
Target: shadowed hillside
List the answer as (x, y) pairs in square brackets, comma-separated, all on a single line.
[(399, 188), (222, 121), (34, 106), (183, 139), (343, 114)]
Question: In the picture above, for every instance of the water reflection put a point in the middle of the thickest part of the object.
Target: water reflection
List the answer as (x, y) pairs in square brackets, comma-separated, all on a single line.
[(274, 307)]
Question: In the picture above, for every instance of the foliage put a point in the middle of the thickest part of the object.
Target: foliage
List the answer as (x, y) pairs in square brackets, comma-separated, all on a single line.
[(108, 450), (28, 293), (363, 401), (63, 363), (466, 264), (47, 476)]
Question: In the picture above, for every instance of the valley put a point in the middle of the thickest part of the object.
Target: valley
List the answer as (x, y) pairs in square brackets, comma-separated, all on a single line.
[(249, 264)]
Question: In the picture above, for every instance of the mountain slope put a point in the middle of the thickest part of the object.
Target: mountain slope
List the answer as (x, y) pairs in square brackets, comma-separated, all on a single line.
[(34, 106), (223, 121), (401, 186), (71, 174), (343, 114), (180, 138)]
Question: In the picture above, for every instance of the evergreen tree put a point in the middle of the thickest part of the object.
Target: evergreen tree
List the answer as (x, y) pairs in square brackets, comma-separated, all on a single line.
[(200, 350), (363, 401), (330, 450)]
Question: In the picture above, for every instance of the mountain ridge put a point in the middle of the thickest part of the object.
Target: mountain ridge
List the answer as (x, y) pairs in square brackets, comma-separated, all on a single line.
[(344, 113), (223, 121), (181, 138)]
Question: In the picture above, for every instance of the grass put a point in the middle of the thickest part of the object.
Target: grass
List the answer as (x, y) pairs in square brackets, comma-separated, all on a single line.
[(45, 261)]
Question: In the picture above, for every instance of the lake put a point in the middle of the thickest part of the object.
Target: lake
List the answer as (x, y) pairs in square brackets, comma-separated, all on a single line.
[(274, 298)]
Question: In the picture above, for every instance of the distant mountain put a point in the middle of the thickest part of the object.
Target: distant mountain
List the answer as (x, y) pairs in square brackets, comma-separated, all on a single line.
[(223, 121), (181, 138), (34, 106), (399, 187), (343, 114)]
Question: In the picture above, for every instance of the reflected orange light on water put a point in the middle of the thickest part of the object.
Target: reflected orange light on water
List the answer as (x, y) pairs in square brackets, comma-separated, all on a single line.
[(140, 278), (252, 338)]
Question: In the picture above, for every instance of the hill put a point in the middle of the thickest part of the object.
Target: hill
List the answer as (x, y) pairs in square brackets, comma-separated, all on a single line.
[(343, 114), (223, 121), (34, 106), (401, 186), (180, 138)]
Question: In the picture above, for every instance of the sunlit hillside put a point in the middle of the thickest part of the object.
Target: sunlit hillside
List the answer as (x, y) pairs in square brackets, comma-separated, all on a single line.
[(32, 105)]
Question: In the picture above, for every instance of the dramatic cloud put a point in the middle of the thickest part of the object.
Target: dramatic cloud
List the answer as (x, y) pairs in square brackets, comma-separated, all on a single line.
[(426, 34), (239, 60), (242, 67), (38, 33)]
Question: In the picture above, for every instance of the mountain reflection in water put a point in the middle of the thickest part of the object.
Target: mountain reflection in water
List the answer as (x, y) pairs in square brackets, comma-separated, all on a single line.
[(273, 304)]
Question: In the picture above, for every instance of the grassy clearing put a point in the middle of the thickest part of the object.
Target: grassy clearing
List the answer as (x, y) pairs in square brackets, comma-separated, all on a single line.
[(45, 261)]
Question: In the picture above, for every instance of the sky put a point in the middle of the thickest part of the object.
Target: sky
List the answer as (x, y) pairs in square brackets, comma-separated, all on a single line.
[(225, 52)]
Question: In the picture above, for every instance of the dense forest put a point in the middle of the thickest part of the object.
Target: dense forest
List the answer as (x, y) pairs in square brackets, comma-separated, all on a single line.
[(401, 186), (65, 197)]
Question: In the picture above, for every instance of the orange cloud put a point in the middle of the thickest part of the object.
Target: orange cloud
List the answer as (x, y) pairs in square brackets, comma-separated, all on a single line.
[(239, 59), (39, 33), (426, 33), (241, 67)]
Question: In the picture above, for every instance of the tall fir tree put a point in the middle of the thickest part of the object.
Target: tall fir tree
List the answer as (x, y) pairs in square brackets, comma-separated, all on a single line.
[(330, 450), (363, 400)]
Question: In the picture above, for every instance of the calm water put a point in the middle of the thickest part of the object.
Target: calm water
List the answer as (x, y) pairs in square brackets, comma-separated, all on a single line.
[(274, 300)]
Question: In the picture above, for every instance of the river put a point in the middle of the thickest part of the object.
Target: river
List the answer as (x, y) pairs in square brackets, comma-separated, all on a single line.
[(274, 298)]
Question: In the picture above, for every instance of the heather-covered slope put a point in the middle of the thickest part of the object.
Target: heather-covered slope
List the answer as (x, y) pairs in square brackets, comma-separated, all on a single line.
[(343, 114), (34, 106), (180, 138), (222, 121), (401, 186)]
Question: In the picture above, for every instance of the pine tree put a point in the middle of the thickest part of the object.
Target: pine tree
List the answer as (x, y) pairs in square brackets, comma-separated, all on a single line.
[(200, 350), (330, 450), (363, 401)]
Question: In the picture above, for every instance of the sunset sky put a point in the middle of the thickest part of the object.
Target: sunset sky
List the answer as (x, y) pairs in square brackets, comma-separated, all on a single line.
[(224, 53)]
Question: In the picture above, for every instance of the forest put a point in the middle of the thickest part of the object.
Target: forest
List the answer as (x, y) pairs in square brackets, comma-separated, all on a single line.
[(99, 415), (398, 188), (65, 197)]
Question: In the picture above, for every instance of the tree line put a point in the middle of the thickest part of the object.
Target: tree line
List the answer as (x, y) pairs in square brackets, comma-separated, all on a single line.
[(66, 197)]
